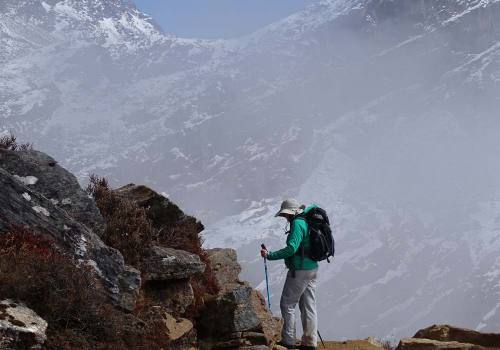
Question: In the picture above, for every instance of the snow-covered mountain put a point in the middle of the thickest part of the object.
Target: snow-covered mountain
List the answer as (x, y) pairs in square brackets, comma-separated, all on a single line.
[(385, 112)]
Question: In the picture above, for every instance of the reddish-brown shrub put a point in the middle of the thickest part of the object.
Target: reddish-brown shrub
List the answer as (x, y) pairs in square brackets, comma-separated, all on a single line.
[(32, 270), (127, 227), (68, 297), (10, 142)]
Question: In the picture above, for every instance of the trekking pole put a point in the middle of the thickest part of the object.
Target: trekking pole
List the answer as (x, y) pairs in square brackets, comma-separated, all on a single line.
[(321, 338), (267, 279)]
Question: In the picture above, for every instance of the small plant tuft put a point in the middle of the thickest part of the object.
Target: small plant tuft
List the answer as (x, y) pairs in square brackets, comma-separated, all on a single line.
[(9, 142)]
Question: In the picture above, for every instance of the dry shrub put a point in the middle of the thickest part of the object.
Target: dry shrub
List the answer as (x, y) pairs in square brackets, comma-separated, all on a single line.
[(9, 142), (68, 297), (130, 230), (127, 227), (32, 270)]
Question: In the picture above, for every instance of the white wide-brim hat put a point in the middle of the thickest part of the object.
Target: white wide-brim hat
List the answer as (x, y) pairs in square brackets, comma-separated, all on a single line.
[(291, 207)]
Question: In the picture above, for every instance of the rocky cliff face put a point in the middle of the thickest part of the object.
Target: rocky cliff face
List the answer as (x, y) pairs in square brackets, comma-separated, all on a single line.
[(39, 195)]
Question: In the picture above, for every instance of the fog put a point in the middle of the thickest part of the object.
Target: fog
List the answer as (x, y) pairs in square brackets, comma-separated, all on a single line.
[(383, 112)]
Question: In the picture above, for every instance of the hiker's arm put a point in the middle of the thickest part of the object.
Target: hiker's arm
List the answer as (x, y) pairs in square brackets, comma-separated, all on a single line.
[(293, 242)]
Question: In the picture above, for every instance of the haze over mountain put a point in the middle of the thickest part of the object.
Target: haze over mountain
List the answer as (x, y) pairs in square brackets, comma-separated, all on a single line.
[(384, 112)]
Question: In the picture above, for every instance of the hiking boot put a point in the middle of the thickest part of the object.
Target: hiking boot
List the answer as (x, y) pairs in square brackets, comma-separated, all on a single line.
[(288, 346)]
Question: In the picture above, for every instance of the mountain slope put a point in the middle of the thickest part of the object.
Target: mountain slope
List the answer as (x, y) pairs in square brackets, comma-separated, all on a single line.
[(382, 111)]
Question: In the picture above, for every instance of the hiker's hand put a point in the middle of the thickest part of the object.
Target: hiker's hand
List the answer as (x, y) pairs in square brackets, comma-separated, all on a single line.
[(263, 253)]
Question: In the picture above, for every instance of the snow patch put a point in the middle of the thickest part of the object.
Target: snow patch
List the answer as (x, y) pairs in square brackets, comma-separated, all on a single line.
[(65, 9), (26, 196), (46, 6), (107, 26)]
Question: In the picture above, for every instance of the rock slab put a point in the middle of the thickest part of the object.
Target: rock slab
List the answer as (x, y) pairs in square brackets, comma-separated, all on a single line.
[(42, 173), (449, 333), (449, 337), (164, 264), (20, 327), (429, 344)]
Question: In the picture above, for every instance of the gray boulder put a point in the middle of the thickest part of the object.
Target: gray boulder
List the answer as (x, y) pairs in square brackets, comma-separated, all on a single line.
[(42, 174), (20, 327), (21, 204), (164, 264), (229, 314), (238, 317)]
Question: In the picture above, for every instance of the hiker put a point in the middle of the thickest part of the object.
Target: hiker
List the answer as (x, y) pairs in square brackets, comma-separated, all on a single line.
[(300, 283)]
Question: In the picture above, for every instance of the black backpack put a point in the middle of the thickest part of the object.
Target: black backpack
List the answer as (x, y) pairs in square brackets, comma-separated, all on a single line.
[(322, 244)]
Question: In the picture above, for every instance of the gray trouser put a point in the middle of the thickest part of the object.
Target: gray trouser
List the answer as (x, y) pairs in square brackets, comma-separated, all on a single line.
[(301, 290)]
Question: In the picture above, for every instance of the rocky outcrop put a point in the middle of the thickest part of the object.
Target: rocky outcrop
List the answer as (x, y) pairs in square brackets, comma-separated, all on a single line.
[(42, 174), (20, 327), (166, 273), (449, 337), (25, 200), (238, 318), (38, 194), (164, 214), (462, 335)]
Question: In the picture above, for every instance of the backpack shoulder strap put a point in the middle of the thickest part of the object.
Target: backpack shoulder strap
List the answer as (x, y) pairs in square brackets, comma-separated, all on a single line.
[(301, 251)]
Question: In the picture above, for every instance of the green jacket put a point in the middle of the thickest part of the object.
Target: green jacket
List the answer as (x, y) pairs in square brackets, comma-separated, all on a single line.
[(299, 233)]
